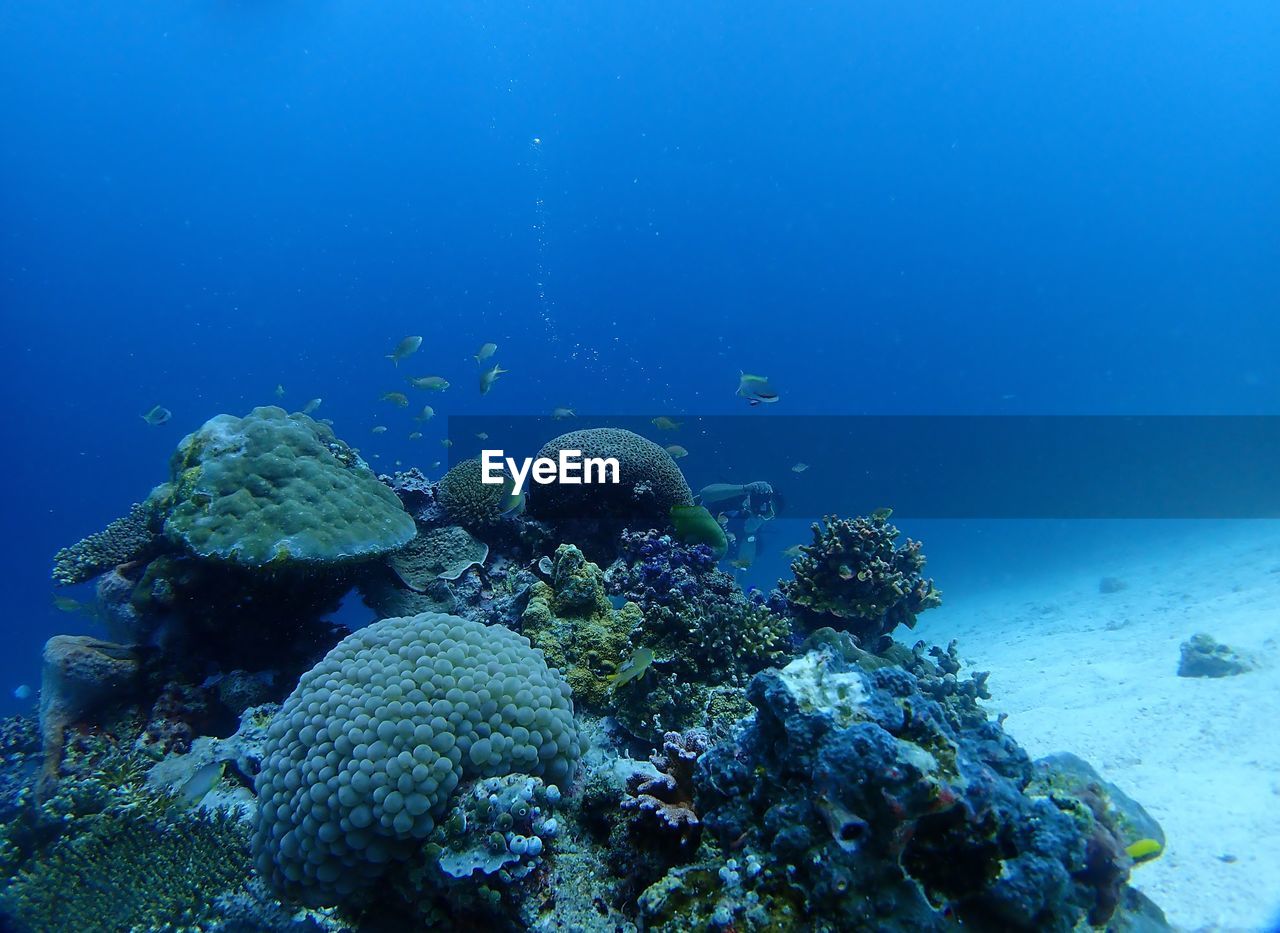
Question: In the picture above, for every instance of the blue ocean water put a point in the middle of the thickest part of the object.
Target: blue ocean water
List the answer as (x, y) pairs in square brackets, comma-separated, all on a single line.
[(939, 208)]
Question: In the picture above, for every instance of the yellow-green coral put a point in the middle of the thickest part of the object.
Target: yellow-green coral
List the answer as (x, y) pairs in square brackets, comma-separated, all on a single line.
[(573, 623)]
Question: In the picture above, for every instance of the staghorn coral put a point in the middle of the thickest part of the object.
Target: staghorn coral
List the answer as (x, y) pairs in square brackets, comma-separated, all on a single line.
[(274, 488), (131, 872), (366, 752), (854, 577), (573, 623), (123, 541)]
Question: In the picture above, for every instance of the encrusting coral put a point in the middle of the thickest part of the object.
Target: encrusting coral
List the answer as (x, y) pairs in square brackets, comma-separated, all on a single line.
[(573, 623)]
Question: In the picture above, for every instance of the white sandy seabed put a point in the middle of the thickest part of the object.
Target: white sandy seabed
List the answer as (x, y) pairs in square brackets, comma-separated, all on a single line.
[(1095, 674)]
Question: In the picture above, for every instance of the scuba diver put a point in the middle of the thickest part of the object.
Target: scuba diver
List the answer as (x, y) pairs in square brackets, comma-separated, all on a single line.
[(741, 510)]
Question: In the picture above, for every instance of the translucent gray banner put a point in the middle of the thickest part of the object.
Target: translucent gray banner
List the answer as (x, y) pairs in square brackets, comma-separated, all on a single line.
[(949, 466)]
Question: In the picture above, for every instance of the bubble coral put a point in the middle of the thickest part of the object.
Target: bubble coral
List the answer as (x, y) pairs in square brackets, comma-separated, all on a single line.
[(365, 753)]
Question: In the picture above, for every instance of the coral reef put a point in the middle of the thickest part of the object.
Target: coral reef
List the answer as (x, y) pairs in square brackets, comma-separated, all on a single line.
[(367, 750), (591, 515), (277, 488), (855, 577), (573, 623), (1201, 656), (123, 541), (851, 800), (437, 554), (706, 636)]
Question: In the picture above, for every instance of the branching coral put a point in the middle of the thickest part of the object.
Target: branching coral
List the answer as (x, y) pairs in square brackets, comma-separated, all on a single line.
[(124, 540), (855, 577), (707, 637)]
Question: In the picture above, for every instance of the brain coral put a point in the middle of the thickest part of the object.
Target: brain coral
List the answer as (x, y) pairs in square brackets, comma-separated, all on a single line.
[(650, 482), (276, 487), (468, 500), (363, 756)]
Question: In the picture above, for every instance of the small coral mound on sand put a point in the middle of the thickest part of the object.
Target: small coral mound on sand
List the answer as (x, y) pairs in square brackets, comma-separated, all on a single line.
[(274, 487), (1201, 656), (854, 577), (365, 753)]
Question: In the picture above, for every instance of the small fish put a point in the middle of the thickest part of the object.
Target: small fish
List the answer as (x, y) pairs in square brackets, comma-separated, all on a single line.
[(406, 347), (881, 515), (483, 435), (436, 464), (430, 383), (279, 391), (67, 604), (311, 406), (663, 423), (756, 389), (446, 443), (414, 435), (741, 563), (398, 399), (1143, 850), (199, 784), (633, 667), (560, 414), (486, 351), (845, 572), (676, 451), (380, 429), (800, 468), (793, 552), (22, 692), (427, 414), (489, 377), (157, 416)]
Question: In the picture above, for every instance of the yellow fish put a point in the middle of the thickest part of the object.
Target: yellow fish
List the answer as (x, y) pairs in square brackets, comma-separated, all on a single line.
[(676, 451), (398, 399), (427, 414), (414, 435), (486, 351), (379, 429), (311, 406), (559, 414), (663, 423)]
